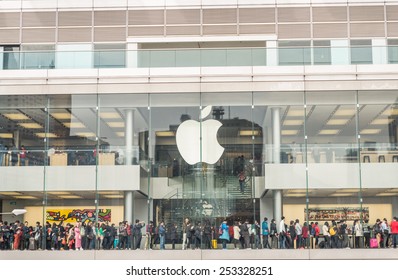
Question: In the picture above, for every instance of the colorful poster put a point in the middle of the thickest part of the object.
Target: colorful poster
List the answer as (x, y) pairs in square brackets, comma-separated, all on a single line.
[(337, 213), (74, 215)]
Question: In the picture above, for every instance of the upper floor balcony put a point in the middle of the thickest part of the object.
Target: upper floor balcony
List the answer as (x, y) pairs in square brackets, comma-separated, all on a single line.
[(12, 58)]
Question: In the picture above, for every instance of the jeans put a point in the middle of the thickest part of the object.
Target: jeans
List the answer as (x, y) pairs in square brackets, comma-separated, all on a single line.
[(282, 240), (265, 242), (395, 239), (162, 242)]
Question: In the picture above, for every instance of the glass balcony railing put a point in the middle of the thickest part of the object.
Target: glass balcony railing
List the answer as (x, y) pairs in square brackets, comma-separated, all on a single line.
[(198, 57)]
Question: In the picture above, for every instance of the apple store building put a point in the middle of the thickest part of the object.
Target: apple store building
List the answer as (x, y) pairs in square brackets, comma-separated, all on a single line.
[(271, 121)]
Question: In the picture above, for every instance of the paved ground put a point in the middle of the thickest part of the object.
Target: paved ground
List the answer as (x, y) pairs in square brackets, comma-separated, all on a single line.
[(318, 254)]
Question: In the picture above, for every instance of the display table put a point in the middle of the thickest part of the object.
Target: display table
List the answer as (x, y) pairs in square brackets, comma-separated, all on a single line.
[(106, 159), (59, 159)]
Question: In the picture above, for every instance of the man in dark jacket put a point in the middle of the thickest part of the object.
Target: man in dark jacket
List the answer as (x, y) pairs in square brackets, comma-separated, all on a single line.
[(137, 234)]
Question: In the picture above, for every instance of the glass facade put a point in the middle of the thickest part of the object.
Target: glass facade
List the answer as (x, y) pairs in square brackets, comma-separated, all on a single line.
[(203, 156)]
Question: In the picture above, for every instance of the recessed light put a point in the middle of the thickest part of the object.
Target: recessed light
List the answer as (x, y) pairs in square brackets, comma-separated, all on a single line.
[(10, 193), (343, 194), (85, 134), (295, 113), (115, 124), (293, 122), (165, 133), (370, 131), (249, 132), (74, 125), (69, 196), (337, 121), (329, 131), (61, 116), (345, 112), (25, 197), (289, 132), (109, 115), (381, 121), (31, 125), (45, 135), (120, 134), (390, 112), (16, 116), (113, 196), (59, 193), (6, 135)]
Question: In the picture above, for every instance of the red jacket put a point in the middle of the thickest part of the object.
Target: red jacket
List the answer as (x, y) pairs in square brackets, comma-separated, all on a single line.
[(305, 232), (394, 227), (317, 231)]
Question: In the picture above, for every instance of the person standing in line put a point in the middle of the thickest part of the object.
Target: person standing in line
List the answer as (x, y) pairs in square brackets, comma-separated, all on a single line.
[(316, 234), (3, 152), (78, 238), (366, 233), (273, 234), (185, 230), (162, 235), (137, 234), (149, 232), (326, 234), (358, 229), (305, 235), (299, 232), (246, 234), (224, 234), (236, 235), (394, 232), (265, 233), (256, 229), (282, 233), (173, 235)]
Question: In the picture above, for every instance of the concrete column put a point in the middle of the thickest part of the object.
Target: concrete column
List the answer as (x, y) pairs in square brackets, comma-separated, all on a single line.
[(277, 197), (129, 138), (129, 206), (272, 53), (132, 55), (276, 135)]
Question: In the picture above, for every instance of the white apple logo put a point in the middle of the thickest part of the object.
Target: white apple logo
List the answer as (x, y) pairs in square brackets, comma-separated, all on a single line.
[(189, 140)]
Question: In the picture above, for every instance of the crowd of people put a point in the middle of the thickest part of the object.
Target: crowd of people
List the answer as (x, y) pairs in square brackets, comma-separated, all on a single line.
[(199, 235)]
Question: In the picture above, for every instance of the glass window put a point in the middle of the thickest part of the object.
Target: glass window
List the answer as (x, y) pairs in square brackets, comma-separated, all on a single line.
[(361, 52), (393, 51), (322, 52), (109, 55), (38, 56), (74, 56), (294, 52), (10, 57)]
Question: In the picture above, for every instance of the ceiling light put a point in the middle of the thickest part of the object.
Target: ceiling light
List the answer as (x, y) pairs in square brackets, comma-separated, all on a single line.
[(289, 132), (165, 133), (59, 193), (343, 194), (249, 132), (25, 197), (120, 134), (113, 196), (61, 116), (6, 135), (293, 122), (45, 135), (115, 124), (370, 131), (345, 112), (109, 192), (337, 121), (69, 196), (295, 113), (295, 195), (381, 121), (349, 190), (109, 115), (85, 134), (392, 190), (74, 125), (16, 116), (386, 194), (10, 193), (390, 112), (31, 125), (329, 131)]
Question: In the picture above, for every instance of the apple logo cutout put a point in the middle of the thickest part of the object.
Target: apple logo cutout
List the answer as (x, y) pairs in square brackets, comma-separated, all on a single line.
[(188, 140)]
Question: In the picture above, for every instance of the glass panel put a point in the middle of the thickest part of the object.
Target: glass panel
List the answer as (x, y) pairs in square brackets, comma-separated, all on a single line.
[(361, 52), (38, 57), (176, 179), (22, 120), (74, 56), (294, 52), (71, 174), (109, 56), (11, 57), (392, 51), (281, 116), (322, 53), (214, 57), (333, 169)]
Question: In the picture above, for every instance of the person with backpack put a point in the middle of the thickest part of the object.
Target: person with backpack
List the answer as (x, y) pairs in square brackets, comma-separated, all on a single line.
[(236, 235), (377, 232), (244, 231), (149, 233), (366, 233), (224, 234), (273, 233), (326, 234), (333, 235), (265, 233)]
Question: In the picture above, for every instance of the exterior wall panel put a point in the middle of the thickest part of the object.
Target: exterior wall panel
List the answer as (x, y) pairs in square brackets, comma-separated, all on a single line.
[(183, 16), (219, 16), (392, 12), (38, 19), (367, 30), (9, 19), (367, 13), (183, 30), (329, 14), (38, 35), (146, 17), (297, 14), (108, 34), (107, 18), (75, 18), (220, 30), (289, 31), (146, 31), (74, 35), (330, 30), (257, 29), (9, 36), (260, 15)]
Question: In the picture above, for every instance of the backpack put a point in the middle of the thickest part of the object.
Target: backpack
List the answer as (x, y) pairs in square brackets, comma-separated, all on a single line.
[(333, 231)]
